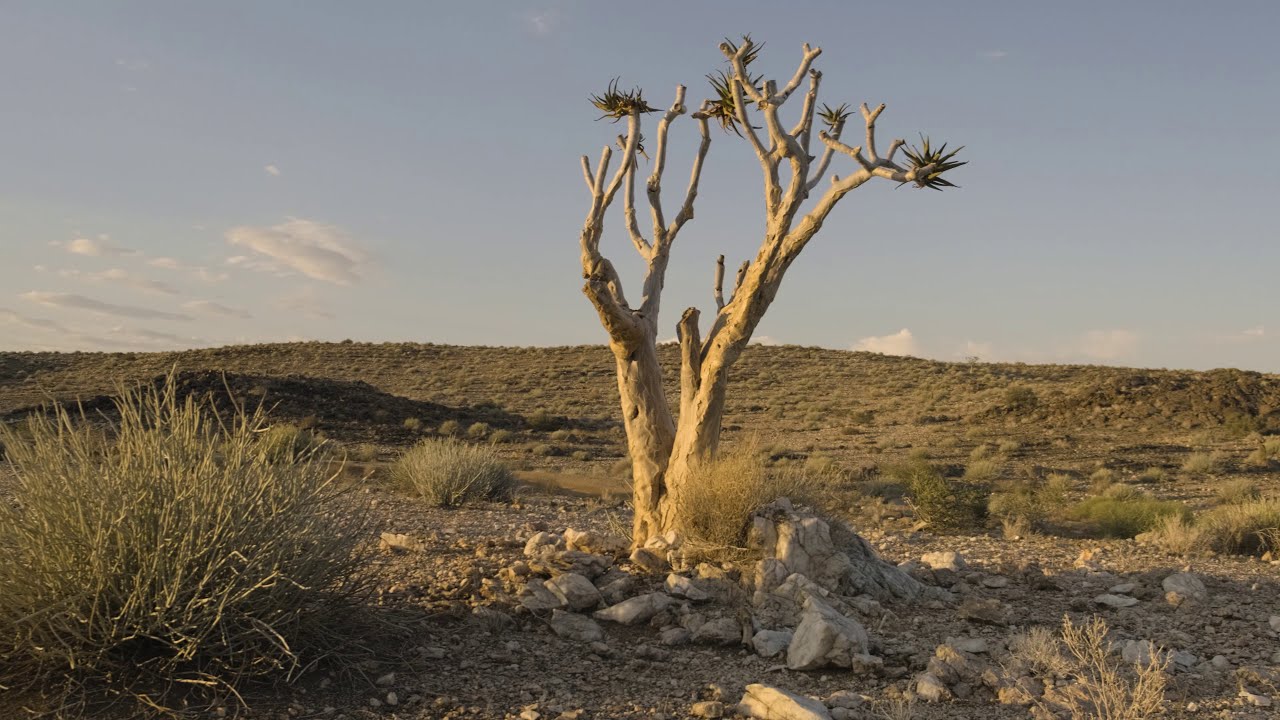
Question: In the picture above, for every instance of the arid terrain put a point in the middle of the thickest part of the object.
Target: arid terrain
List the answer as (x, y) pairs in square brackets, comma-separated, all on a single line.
[(1106, 440)]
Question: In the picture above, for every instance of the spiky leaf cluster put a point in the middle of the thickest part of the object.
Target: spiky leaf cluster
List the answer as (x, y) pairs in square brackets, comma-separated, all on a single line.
[(617, 104), (834, 118), (722, 108), (941, 160)]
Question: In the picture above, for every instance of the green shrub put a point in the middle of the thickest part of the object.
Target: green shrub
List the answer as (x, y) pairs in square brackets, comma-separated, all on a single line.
[(1125, 516), (943, 503), (542, 421), (1100, 480), (1153, 474), (982, 471), (1246, 528), (285, 442), (1020, 398), (478, 431), (172, 550), (448, 473)]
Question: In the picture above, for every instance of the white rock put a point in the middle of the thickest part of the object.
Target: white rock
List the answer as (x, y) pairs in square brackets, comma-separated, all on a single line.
[(536, 597), (595, 543), (825, 637), (636, 610), (995, 582), (766, 702), (707, 709), (771, 643), (1275, 623), (1123, 588), (386, 680), (681, 586), (846, 699), (947, 560), (573, 626), (1183, 587), (541, 542), (1115, 601), (721, 631), (399, 542), (931, 689), (969, 644), (575, 591), (672, 637)]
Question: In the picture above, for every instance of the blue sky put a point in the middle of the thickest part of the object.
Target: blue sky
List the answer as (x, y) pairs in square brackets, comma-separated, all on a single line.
[(181, 174)]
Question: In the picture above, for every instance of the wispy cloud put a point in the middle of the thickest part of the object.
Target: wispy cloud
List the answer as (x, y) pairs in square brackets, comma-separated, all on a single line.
[(96, 247), (46, 334), (123, 277), (271, 170), (74, 301), (993, 54), (542, 22), (1255, 332), (201, 272), (305, 301), (976, 349), (1108, 345), (208, 307), (899, 343), (318, 251)]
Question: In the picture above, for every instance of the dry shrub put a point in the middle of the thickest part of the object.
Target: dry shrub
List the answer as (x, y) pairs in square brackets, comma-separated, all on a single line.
[(1041, 650), (717, 502), (1202, 463), (448, 473), (171, 550), (1246, 528), (983, 470), (1235, 492), (1029, 502), (1111, 689), (1178, 535)]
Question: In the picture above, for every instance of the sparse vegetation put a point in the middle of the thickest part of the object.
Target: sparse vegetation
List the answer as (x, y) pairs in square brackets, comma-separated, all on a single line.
[(447, 473), (1125, 512), (164, 551), (717, 507), (1202, 463), (945, 504), (1111, 689)]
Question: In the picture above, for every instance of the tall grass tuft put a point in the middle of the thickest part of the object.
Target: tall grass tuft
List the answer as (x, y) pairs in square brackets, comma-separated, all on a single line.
[(170, 550), (717, 502), (448, 473)]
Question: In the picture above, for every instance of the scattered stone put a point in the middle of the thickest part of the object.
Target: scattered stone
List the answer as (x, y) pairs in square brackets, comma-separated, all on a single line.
[(947, 560), (825, 637), (771, 643), (707, 709), (1220, 662), (1115, 601), (573, 626), (541, 542), (766, 702), (574, 591), (995, 582), (536, 597), (721, 631), (595, 543), (1275, 623), (635, 610), (649, 561), (681, 586), (1123, 588), (1255, 699), (1089, 559), (1139, 651), (845, 699), (616, 586), (672, 637), (1185, 660), (1183, 587), (392, 699), (969, 644), (386, 680), (987, 611), (931, 689), (401, 543)]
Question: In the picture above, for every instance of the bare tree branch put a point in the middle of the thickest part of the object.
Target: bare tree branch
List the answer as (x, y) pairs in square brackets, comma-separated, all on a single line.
[(586, 175), (690, 359), (742, 271), (810, 54), (870, 116), (654, 185), (695, 175), (740, 82), (804, 128), (718, 289)]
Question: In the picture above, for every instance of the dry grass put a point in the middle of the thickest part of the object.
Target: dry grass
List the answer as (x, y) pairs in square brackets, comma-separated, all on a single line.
[(173, 551), (448, 473), (1124, 512), (1041, 650), (1111, 689), (717, 504), (1203, 463)]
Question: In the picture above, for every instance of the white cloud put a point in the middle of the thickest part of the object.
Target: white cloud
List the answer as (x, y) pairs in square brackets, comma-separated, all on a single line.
[(203, 273), (50, 335), (1255, 332), (10, 317), (321, 252), (97, 247), (764, 340), (1108, 344), (271, 170), (208, 307), (993, 54), (899, 343), (80, 302)]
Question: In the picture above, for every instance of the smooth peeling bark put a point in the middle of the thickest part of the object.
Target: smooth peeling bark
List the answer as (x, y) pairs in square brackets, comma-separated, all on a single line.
[(650, 434)]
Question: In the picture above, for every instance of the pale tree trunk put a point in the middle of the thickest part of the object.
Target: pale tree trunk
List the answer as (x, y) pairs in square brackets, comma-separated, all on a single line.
[(666, 453)]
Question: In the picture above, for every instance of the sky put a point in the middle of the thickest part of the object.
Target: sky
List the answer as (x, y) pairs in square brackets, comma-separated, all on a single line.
[(178, 174)]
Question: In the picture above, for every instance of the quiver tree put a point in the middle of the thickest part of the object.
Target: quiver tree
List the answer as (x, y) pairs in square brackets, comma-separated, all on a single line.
[(666, 450)]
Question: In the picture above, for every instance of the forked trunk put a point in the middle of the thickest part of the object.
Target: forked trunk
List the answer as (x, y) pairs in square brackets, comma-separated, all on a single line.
[(650, 435)]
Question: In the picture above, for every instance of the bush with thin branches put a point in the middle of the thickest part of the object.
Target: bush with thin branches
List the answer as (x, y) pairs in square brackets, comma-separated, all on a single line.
[(170, 549)]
